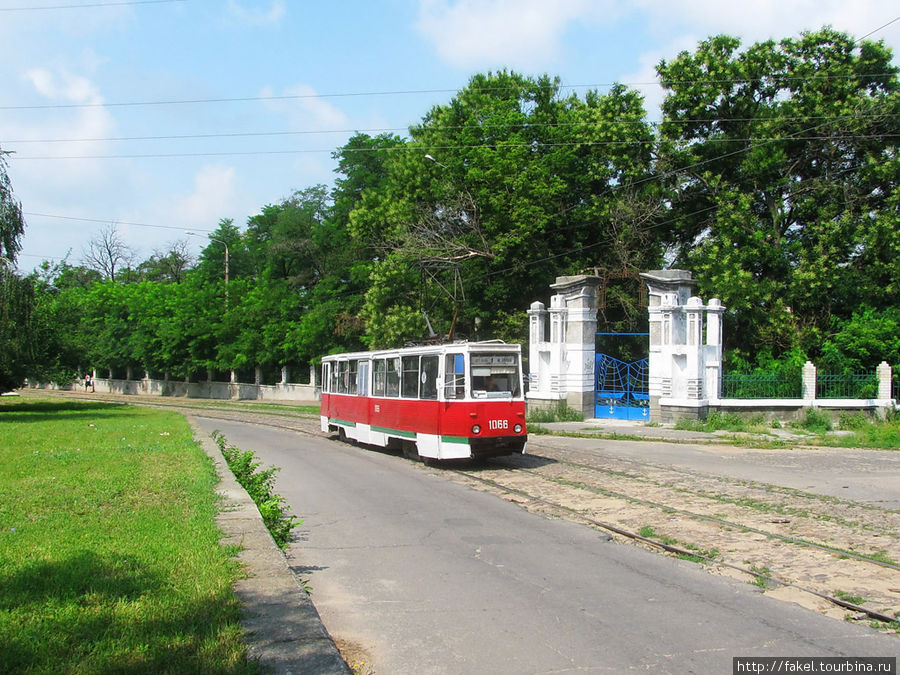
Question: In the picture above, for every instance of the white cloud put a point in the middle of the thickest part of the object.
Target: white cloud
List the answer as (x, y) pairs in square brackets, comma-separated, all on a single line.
[(257, 16), (91, 123), (63, 85), (645, 80), (517, 33), (307, 111), (214, 194), (755, 20)]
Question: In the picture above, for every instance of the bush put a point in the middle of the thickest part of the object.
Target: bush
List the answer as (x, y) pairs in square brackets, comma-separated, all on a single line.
[(260, 486), (853, 421), (560, 413), (815, 421), (716, 421)]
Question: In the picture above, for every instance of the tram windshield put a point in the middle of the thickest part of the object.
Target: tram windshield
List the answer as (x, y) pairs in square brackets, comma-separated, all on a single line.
[(495, 375)]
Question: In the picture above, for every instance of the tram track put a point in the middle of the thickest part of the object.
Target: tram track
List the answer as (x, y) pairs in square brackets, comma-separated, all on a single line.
[(546, 480), (829, 554), (874, 614), (726, 523)]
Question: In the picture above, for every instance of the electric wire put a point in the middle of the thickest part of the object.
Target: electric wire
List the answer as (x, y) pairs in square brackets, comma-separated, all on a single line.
[(91, 5), (410, 92), (526, 125), (410, 148)]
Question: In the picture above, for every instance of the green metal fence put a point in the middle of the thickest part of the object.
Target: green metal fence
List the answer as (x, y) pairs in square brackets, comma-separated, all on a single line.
[(761, 385), (846, 385)]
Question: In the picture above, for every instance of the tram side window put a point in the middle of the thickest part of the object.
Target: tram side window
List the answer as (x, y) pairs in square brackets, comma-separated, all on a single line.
[(363, 378), (455, 376), (409, 387), (428, 378), (379, 371), (326, 377), (353, 373), (342, 377), (392, 387)]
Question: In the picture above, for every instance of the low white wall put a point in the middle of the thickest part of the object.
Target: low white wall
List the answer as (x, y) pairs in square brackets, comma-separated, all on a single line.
[(671, 410), (207, 390)]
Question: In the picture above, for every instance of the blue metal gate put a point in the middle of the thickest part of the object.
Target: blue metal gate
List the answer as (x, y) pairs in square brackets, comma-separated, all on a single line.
[(621, 389)]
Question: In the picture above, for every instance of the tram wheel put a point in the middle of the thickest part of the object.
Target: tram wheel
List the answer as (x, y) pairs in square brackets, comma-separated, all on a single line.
[(410, 451), (342, 434)]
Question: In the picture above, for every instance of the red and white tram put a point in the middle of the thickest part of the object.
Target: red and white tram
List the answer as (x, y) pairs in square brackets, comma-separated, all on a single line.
[(449, 401)]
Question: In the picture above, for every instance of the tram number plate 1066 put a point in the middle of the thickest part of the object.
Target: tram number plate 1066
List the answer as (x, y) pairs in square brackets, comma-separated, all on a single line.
[(498, 424)]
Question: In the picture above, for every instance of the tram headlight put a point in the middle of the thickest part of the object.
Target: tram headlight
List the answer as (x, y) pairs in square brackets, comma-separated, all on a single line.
[(518, 428), (476, 429)]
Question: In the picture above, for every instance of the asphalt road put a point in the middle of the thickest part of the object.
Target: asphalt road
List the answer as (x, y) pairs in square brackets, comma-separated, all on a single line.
[(432, 577)]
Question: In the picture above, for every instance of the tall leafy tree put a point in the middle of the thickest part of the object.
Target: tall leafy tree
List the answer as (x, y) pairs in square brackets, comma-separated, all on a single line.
[(167, 266), (16, 293), (497, 193), (782, 158)]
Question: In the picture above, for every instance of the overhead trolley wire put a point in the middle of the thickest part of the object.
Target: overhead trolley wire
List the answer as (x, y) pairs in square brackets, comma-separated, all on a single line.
[(89, 5), (527, 124), (418, 148), (411, 92)]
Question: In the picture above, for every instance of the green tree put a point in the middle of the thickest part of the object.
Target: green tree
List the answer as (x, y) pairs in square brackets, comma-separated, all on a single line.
[(295, 247), (169, 266), (782, 158), (500, 191), (58, 345), (226, 241), (16, 293), (108, 320)]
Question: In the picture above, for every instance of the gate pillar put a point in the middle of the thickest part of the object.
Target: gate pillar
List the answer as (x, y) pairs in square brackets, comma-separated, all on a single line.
[(561, 359), (685, 361)]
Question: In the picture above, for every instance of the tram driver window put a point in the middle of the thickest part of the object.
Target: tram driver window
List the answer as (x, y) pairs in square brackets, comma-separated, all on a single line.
[(455, 376), (494, 375)]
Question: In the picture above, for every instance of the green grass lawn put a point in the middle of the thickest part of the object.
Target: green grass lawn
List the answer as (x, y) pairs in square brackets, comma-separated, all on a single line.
[(109, 554)]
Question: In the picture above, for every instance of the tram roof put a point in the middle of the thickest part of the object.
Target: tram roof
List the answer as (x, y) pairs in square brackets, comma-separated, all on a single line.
[(485, 345)]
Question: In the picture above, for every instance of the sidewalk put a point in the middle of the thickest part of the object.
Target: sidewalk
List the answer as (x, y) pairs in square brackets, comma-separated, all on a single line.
[(641, 430), (283, 629)]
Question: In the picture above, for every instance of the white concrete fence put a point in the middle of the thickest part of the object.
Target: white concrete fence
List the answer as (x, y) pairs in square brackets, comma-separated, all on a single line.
[(232, 390)]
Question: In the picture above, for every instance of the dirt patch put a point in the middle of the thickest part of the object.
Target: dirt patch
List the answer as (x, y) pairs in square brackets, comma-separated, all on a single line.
[(355, 655)]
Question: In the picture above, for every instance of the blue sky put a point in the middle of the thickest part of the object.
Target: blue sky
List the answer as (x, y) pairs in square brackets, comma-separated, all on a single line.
[(80, 75)]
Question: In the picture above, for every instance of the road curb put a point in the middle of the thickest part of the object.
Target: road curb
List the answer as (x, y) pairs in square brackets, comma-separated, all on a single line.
[(282, 628)]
